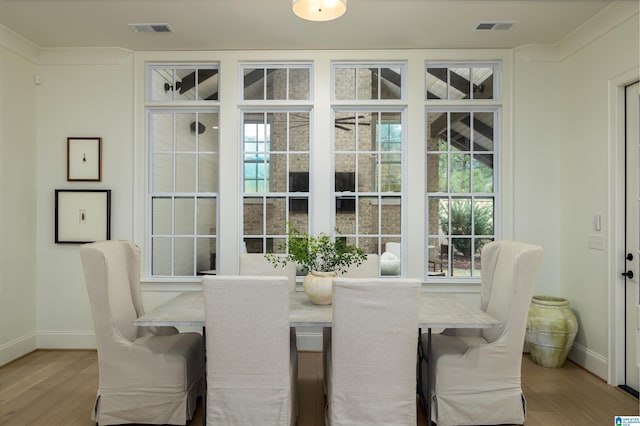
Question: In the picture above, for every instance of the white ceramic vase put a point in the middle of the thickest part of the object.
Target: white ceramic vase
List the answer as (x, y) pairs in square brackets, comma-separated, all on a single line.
[(318, 286)]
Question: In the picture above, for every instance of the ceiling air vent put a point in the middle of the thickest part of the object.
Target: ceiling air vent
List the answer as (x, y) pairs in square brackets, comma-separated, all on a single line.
[(493, 26), (151, 28)]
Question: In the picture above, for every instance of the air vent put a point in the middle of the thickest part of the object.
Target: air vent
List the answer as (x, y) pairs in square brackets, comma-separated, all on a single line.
[(494, 26), (151, 28)]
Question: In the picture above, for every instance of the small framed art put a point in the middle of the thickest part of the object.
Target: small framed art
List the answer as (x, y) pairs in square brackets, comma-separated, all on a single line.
[(84, 159), (82, 216)]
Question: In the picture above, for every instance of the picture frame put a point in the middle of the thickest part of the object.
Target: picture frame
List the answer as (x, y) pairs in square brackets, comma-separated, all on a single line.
[(84, 159), (82, 215)]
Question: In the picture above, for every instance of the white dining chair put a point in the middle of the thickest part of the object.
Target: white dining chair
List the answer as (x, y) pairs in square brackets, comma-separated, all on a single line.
[(371, 369), (148, 375), (252, 359), (471, 376)]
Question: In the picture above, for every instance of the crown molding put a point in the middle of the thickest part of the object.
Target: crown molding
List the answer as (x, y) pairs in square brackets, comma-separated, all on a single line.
[(19, 45), (609, 18)]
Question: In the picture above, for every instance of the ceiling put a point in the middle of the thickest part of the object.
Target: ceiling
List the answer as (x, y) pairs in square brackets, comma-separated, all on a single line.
[(270, 24)]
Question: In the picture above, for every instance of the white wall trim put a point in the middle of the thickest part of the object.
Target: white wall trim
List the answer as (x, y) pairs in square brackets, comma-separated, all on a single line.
[(609, 18), (66, 340), (17, 347), (616, 231), (19, 45), (589, 360)]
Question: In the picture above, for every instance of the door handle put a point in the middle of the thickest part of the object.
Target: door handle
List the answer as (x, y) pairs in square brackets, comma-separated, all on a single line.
[(629, 256), (628, 274)]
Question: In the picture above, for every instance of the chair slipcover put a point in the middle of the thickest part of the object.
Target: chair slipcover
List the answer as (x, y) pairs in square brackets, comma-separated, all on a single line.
[(252, 363), (257, 264), (371, 377), (150, 375), (475, 379)]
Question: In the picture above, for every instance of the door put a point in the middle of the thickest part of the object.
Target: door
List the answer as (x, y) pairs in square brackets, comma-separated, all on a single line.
[(631, 277)]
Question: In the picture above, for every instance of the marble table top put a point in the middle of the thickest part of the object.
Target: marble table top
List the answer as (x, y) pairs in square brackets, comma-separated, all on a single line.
[(437, 310)]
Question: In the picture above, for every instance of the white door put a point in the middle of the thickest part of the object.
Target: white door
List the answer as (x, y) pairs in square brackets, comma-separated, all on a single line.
[(632, 295)]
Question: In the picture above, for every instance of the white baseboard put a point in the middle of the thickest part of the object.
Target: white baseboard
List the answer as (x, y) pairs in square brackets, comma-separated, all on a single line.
[(18, 347), (589, 360), (66, 340), (309, 340)]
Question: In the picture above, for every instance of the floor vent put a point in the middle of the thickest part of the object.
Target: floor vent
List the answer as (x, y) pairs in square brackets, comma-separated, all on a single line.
[(151, 28), (493, 26)]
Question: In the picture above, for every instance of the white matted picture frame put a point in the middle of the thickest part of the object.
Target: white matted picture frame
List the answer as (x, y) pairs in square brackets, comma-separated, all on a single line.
[(84, 159), (82, 216)]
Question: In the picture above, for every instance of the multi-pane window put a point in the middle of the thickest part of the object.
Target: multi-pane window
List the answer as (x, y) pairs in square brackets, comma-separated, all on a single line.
[(275, 155), (368, 146), (461, 170), (183, 171)]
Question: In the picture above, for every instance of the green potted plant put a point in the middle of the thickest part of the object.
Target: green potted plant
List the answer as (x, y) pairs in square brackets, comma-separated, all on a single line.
[(322, 257)]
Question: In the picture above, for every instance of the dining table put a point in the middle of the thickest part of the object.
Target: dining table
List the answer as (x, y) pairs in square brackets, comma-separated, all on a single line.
[(436, 311)]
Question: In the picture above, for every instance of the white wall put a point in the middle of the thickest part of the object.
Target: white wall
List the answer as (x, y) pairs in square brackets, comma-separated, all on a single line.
[(90, 93), (585, 185), (537, 123), (18, 174)]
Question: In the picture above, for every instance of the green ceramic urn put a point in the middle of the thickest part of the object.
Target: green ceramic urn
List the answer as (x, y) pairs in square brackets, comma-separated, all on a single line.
[(551, 329)]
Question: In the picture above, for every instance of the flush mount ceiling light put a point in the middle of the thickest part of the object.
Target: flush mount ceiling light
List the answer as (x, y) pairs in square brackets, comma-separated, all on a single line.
[(319, 10)]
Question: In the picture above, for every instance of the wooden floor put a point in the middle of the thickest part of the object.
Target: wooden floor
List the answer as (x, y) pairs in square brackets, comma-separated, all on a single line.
[(50, 388)]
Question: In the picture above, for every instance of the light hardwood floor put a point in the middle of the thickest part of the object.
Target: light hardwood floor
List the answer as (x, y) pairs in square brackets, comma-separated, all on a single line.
[(52, 387)]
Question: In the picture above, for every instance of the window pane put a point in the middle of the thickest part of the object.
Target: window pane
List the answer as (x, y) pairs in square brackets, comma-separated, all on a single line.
[(483, 124), (206, 216), (161, 81), (483, 173), (461, 253), (276, 83), (187, 127), (370, 245), (368, 210), (162, 178), (185, 88), (299, 131), (185, 173), (278, 131), (483, 217), (253, 216), (365, 125), (460, 173), (161, 256), (276, 216), (437, 83), (346, 214), (391, 83), (277, 177), (299, 83), (161, 216), (391, 173), (208, 84), (299, 212), (460, 131), (208, 173), (345, 83), (459, 83), (184, 216), (344, 131), (367, 81), (206, 254), (460, 217), (437, 131), (208, 139), (483, 85), (254, 83), (254, 245), (162, 132), (366, 172), (391, 212), (437, 172), (184, 257)]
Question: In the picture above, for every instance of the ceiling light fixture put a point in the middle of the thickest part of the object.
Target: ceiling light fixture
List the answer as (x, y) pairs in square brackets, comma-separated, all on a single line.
[(319, 10)]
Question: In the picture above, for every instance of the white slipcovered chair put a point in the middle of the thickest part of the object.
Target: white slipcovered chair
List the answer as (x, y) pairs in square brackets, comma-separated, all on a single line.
[(474, 378), (257, 264), (371, 368), (252, 361), (150, 375)]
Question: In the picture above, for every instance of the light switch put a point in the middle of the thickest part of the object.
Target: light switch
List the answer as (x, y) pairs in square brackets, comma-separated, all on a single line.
[(597, 222), (596, 242)]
